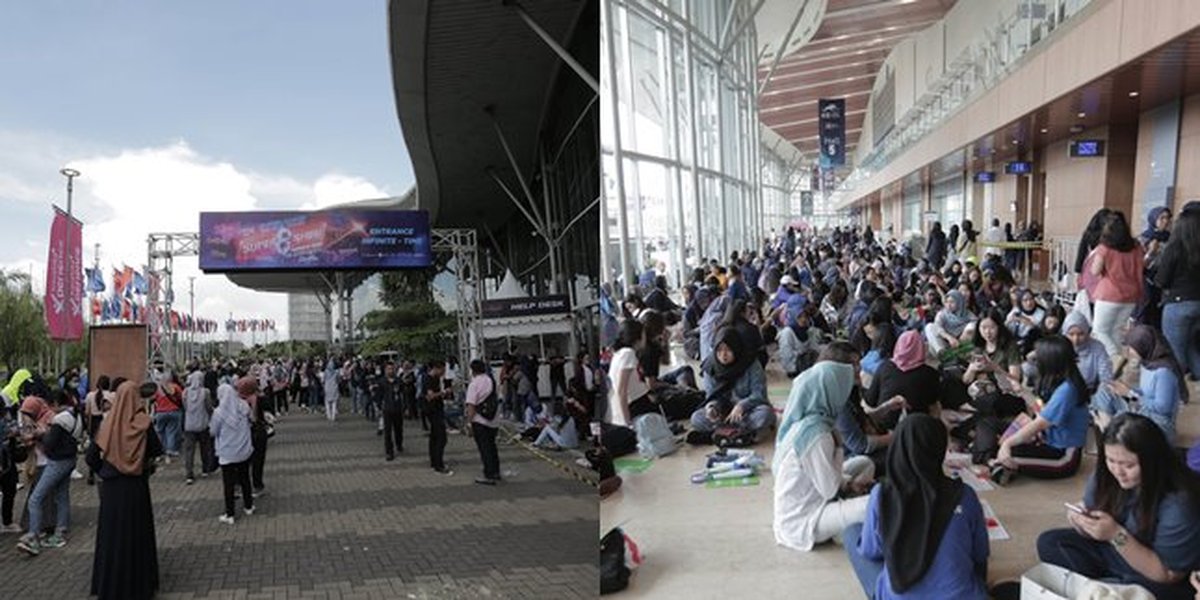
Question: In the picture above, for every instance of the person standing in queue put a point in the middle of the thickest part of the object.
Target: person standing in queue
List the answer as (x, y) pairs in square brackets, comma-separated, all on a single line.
[(483, 429), (125, 561), (247, 389), (391, 403), (433, 399)]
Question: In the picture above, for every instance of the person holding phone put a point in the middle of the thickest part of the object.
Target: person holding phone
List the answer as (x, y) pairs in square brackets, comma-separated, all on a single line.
[(1137, 521)]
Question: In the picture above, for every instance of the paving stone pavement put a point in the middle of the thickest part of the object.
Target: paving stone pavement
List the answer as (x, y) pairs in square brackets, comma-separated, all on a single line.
[(339, 522)]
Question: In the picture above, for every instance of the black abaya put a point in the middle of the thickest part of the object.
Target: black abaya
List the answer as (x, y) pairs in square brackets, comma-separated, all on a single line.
[(125, 565)]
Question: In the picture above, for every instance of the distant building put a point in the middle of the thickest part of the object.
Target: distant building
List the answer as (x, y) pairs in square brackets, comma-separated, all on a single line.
[(307, 320)]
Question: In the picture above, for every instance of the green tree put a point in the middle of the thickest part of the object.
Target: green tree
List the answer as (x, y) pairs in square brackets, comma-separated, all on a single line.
[(413, 323), (23, 335)]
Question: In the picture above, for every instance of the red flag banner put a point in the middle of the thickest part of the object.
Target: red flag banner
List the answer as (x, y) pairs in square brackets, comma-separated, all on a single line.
[(64, 284)]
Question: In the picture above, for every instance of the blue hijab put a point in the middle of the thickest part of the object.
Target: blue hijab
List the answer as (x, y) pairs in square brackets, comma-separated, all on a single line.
[(816, 399)]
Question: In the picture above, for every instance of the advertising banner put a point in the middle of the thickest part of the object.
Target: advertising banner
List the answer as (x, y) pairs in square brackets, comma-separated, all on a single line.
[(334, 239), (522, 307), (64, 278), (832, 119)]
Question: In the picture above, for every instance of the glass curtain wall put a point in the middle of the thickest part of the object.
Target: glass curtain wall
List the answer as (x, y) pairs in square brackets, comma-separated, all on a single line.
[(679, 136)]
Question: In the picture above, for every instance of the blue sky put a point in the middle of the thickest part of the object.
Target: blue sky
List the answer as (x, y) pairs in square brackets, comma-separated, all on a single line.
[(169, 108)]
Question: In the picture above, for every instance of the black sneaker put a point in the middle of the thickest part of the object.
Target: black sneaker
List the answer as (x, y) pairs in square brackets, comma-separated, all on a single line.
[(485, 481), (391, 458), (699, 438)]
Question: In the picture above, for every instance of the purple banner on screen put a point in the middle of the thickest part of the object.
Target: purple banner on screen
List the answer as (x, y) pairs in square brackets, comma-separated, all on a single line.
[(334, 239)]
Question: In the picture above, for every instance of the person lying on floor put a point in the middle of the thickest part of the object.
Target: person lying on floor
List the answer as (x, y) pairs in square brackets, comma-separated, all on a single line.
[(737, 394), (1140, 509), (925, 535), (816, 493), (1160, 390), (1050, 444)]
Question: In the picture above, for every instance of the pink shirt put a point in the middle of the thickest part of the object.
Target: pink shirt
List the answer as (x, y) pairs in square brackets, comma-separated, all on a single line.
[(1121, 280), (477, 392)]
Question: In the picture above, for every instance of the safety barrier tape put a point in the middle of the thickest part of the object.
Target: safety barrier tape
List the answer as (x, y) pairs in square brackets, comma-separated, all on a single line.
[(514, 438)]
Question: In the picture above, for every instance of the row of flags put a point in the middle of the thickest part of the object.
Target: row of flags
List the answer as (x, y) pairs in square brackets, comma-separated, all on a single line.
[(119, 308), (125, 282), (244, 325)]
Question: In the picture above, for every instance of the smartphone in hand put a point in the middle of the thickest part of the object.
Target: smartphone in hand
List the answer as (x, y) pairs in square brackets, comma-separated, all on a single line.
[(1075, 508)]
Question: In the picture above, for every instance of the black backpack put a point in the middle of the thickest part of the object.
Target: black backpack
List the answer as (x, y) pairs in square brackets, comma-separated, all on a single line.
[(488, 407)]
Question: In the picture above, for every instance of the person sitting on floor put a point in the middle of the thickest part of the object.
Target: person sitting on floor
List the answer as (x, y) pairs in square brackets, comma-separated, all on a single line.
[(1161, 387), (906, 375), (1050, 444), (811, 479), (1140, 510), (798, 342), (1092, 359), (925, 535), (951, 325), (737, 394), (1025, 320)]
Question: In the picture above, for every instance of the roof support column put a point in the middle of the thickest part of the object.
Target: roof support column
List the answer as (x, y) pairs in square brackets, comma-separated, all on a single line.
[(606, 17), (555, 46)]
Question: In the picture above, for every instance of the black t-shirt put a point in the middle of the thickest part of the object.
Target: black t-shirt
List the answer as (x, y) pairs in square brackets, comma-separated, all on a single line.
[(434, 405), (558, 371), (920, 386)]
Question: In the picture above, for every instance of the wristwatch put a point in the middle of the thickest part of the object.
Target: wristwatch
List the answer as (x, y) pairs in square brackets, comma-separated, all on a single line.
[(1119, 540)]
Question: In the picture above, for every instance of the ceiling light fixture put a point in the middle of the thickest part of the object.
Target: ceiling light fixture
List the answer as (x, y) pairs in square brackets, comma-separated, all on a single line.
[(1044, 130), (1133, 94), (1082, 115)]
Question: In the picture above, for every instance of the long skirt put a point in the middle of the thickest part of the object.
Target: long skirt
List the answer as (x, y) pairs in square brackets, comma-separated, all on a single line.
[(125, 564)]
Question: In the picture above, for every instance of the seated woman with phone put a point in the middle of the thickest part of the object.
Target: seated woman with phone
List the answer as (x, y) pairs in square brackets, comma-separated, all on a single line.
[(1161, 387), (1137, 523)]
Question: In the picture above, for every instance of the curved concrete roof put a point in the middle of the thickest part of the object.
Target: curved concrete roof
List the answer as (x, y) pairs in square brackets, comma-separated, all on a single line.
[(451, 59)]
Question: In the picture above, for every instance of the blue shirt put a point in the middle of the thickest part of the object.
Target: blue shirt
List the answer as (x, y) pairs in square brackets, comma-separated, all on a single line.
[(1176, 538), (958, 567), (1068, 418), (1158, 390)]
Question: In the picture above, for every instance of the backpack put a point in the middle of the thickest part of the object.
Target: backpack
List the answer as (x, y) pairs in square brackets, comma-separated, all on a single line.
[(615, 565), (488, 407), (654, 437), (733, 437)]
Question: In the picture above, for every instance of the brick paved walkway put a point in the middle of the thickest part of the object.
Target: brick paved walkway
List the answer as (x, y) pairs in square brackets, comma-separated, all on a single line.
[(339, 522)]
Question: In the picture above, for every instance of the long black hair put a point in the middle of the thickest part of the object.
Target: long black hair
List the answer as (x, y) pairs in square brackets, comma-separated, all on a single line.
[(1116, 234), (1056, 363), (630, 333), (1186, 237), (1004, 337), (1162, 473)]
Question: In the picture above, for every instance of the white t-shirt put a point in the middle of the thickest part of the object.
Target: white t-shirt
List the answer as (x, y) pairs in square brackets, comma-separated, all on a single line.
[(624, 367), (803, 485), (994, 235)]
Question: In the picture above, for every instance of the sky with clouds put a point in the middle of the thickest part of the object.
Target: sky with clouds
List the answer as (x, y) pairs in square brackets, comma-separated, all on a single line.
[(170, 109)]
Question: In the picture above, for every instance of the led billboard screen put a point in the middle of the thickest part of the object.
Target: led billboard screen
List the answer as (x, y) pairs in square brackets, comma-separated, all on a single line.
[(325, 240)]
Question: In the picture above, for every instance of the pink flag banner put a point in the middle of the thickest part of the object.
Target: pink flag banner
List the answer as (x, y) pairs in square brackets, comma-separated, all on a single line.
[(64, 284)]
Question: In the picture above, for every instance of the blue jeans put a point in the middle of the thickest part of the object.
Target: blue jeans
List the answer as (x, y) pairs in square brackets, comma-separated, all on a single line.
[(1099, 560), (1181, 325), (867, 570), (56, 480), (168, 426)]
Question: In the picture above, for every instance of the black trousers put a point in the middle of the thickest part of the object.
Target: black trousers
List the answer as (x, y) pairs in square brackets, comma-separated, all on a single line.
[(1090, 558), (237, 474), (8, 487), (437, 439), (258, 437), (485, 440), (393, 427)]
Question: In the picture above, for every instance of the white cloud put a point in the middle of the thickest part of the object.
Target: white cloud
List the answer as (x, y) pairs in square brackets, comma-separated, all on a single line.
[(124, 195)]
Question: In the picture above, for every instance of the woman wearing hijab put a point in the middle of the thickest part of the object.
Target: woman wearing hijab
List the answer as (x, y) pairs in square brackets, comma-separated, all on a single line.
[(1025, 320), (198, 405), (331, 389), (808, 466), (230, 428), (950, 327), (12, 390), (737, 392), (797, 340), (966, 248), (1092, 359), (125, 561), (925, 535), (1160, 390), (907, 377)]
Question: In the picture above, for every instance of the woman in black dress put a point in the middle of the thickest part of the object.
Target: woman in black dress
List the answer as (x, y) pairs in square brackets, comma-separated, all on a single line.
[(125, 565)]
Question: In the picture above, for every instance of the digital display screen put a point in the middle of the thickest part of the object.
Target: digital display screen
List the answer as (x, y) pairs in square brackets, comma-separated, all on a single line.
[(1087, 148), (334, 239), (985, 177), (1020, 167)]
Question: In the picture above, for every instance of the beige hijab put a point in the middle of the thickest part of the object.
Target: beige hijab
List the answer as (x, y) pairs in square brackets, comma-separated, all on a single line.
[(122, 435)]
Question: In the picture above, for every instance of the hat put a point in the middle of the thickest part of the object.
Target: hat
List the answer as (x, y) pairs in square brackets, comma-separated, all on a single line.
[(787, 280)]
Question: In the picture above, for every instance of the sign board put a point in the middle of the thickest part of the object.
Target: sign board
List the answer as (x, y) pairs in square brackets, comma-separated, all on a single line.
[(1018, 167), (1086, 148), (335, 239), (831, 115), (524, 307), (985, 177)]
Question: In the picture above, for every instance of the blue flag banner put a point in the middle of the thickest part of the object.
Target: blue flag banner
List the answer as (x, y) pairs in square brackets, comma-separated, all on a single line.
[(95, 281), (831, 115), (139, 283)]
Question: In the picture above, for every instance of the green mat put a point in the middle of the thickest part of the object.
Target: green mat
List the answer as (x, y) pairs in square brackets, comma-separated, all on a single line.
[(632, 465), (728, 483)]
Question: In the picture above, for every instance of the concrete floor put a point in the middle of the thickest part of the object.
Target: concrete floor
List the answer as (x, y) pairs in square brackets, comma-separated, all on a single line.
[(718, 543)]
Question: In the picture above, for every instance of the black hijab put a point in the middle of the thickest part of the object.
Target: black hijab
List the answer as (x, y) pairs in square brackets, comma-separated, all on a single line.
[(916, 501), (725, 377)]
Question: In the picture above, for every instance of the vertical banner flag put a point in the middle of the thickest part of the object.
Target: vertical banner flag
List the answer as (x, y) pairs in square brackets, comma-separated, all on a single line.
[(64, 286), (832, 117), (806, 203)]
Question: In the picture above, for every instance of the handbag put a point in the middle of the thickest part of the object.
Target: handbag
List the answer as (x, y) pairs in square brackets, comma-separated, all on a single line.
[(490, 404)]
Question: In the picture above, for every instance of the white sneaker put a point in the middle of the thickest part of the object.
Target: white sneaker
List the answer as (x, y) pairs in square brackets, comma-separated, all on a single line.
[(10, 528), (249, 511), (226, 519), (76, 474)]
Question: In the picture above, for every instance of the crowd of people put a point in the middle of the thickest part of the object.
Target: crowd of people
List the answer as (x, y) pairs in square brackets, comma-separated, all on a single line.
[(899, 355)]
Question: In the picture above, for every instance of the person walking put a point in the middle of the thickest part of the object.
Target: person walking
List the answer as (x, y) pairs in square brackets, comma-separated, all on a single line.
[(391, 398), (1176, 275), (230, 428), (198, 407), (331, 389), (55, 483), (433, 398), (168, 417), (125, 559), (483, 429)]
